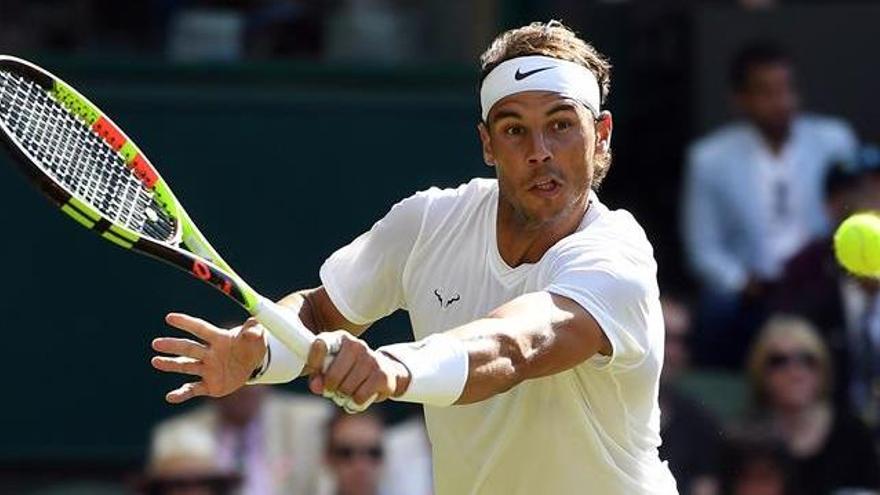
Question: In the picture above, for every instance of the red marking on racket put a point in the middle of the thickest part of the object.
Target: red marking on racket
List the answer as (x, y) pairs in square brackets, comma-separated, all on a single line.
[(144, 171), (201, 270), (226, 287), (109, 132)]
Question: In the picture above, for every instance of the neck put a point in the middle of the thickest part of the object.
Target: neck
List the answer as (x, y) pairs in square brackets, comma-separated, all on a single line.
[(798, 418), (775, 138), (522, 240)]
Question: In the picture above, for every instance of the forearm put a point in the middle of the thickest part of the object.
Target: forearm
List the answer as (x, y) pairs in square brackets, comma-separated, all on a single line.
[(535, 335), (514, 344), (500, 356)]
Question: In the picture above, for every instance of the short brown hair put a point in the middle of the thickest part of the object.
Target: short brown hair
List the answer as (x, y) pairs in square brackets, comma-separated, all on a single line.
[(553, 39), (550, 39)]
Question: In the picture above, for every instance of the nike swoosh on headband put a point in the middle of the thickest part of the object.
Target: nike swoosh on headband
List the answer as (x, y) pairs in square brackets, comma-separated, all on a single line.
[(519, 76)]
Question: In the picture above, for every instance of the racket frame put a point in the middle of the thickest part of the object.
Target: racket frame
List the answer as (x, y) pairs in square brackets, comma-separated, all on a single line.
[(199, 259)]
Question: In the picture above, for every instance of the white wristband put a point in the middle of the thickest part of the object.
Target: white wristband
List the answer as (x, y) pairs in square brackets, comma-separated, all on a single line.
[(438, 367), (280, 365)]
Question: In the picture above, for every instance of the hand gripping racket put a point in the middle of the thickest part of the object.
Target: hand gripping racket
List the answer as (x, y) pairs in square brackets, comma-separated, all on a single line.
[(88, 167)]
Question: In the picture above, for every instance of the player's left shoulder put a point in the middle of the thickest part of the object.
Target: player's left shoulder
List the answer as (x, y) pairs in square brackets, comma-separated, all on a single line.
[(612, 241), (613, 229)]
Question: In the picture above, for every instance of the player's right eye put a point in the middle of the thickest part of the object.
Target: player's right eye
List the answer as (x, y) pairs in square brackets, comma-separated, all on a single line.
[(514, 130)]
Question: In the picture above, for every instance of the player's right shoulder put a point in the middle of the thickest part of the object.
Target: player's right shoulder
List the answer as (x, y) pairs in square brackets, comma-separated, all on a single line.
[(441, 202), (446, 210)]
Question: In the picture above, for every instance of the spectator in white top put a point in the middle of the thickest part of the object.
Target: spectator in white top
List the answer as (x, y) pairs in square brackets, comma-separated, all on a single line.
[(753, 195)]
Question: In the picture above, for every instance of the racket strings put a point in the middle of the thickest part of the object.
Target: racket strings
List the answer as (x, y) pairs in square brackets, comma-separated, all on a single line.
[(67, 150)]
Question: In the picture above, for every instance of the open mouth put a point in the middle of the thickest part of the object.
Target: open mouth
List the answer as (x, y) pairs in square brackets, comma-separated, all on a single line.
[(546, 187)]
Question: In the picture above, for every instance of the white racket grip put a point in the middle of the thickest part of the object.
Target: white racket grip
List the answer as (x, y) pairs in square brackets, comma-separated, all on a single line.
[(286, 326)]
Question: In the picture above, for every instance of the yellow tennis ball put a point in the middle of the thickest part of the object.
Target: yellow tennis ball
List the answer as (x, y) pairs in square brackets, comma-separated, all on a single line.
[(857, 244)]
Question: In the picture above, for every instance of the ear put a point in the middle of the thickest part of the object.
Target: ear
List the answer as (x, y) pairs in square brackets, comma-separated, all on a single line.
[(604, 128), (488, 156)]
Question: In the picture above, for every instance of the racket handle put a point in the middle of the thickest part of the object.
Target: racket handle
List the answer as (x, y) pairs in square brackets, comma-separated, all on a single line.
[(285, 325)]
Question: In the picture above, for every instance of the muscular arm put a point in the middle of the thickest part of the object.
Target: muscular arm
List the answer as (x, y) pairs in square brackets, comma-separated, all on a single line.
[(532, 336), (318, 312)]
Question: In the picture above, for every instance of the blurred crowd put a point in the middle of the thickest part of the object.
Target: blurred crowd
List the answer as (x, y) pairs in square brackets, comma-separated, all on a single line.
[(791, 341), (259, 441), (761, 199)]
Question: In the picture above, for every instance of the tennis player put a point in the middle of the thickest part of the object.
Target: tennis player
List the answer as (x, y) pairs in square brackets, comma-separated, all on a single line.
[(535, 310)]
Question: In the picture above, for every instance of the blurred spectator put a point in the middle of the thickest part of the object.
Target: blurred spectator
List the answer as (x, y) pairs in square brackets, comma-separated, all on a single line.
[(370, 31), (355, 452), (756, 466), (789, 369), (186, 464), (689, 432), (814, 285), (202, 34), (408, 468), (753, 197), (273, 438)]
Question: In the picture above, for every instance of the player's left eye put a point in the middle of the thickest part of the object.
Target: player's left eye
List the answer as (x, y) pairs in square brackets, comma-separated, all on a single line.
[(562, 125)]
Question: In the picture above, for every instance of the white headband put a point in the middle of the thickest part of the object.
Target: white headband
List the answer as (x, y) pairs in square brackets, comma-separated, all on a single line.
[(539, 73)]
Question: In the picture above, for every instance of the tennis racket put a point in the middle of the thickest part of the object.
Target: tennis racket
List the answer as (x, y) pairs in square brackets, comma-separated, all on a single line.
[(98, 176)]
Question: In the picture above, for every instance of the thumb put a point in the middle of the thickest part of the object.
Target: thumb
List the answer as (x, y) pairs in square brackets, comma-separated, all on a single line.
[(316, 384), (317, 351), (253, 332)]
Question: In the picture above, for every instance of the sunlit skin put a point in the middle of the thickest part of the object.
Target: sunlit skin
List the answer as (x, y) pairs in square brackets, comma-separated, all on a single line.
[(543, 147)]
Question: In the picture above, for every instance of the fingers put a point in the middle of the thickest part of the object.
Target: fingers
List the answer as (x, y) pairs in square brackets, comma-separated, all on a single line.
[(317, 353), (196, 326), (372, 389), (358, 375), (186, 392), (183, 365), (351, 352), (181, 347)]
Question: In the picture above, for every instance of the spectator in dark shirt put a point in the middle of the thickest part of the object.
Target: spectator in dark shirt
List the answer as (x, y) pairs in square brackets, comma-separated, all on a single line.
[(755, 465), (689, 432), (789, 370)]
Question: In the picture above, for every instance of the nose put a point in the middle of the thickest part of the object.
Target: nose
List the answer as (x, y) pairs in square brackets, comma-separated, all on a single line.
[(538, 152)]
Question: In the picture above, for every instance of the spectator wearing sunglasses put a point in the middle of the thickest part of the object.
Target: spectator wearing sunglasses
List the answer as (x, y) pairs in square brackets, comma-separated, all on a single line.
[(355, 452), (790, 374)]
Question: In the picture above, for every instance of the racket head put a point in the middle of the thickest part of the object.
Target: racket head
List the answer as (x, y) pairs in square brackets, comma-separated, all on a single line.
[(84, 163), (81, 159)]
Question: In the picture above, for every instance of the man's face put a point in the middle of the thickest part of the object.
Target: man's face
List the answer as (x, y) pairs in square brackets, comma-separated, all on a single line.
[(355, 455), (543, 148), (769, 98)]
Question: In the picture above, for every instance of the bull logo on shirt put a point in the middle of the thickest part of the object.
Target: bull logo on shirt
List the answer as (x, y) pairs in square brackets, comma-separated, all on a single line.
[(446, 301)]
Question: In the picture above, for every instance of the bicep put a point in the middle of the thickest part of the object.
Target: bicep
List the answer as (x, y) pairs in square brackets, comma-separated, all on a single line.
[(318, 312)]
